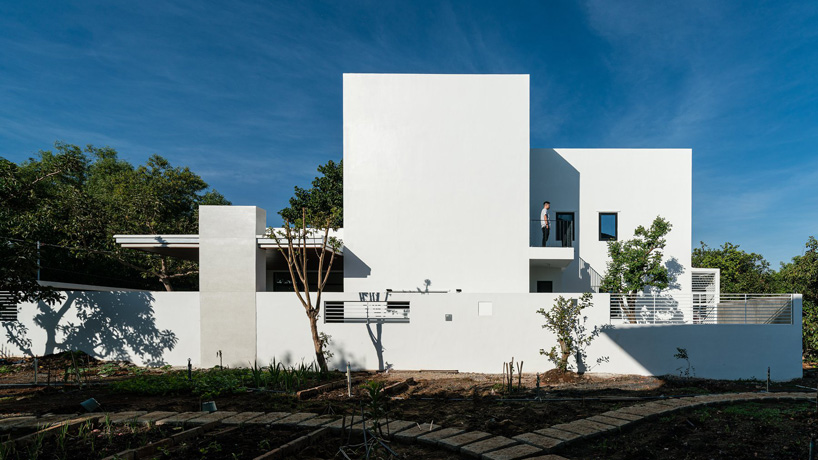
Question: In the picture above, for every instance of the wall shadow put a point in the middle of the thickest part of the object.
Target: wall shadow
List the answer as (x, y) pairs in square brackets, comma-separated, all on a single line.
[(354, 267), (106, 325)]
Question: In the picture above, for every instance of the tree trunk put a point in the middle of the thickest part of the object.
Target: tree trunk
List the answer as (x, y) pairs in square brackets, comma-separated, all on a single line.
[(565, 355), (166, 284), (163, 278), (316, 341)]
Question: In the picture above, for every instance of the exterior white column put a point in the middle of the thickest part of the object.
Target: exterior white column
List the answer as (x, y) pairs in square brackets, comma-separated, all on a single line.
[(231, 271)]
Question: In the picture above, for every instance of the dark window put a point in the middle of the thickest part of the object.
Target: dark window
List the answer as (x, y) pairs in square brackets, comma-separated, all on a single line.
[(545, 286), (565, 225), (607, 226)]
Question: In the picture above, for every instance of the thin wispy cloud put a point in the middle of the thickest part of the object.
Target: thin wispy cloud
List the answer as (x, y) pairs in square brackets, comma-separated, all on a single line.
[(248, 94)]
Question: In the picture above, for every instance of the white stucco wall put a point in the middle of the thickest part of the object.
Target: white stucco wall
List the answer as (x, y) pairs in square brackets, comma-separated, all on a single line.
[(638, 184), (472, 343), (231, 271), (146, 328), (163, 328), (436, 182)]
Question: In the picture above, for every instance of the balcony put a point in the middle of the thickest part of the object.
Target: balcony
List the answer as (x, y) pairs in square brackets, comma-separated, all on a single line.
[(558, 251)]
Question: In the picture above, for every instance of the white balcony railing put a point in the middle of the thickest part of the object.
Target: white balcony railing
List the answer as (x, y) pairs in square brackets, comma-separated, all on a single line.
[(701, 308)]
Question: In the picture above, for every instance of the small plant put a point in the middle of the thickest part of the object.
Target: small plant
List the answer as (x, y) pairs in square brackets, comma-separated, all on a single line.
[(685, 370), (257, 375), (572, 337), (36, 446), (325, 339), (62, 434)]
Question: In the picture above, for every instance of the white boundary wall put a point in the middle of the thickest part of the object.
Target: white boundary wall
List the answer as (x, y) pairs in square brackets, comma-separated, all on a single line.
[(136, 325), (146, 328), (472, 343)]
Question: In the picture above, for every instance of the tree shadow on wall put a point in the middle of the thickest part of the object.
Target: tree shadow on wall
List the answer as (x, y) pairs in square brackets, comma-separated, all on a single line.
[(106, 325)]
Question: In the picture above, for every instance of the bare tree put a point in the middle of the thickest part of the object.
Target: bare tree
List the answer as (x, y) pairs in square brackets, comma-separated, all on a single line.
[(295, 241)]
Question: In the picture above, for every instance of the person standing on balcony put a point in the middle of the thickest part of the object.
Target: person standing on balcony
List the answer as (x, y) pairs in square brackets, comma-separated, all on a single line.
[(544, 221)]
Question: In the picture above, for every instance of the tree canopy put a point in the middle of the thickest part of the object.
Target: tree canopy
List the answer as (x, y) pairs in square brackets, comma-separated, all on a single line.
[(636, 264), (740, 271), (324, 199), (74, 200), (801, 275)]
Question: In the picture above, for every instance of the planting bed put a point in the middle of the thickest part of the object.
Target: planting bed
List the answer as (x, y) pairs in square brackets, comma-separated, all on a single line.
[(770, 430), (89, 440), (471, 402)]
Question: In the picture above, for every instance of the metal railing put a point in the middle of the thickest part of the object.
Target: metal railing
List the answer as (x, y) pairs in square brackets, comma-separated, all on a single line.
[(701, 308), (348, 311), (8, 308), (561, 235)]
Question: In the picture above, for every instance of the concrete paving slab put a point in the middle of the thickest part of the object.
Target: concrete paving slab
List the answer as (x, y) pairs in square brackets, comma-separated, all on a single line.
[(127, 416), (512, 453), (153, 417), (268, 418), (396, 426), (538, 440), (412, 434), (209, 417), (241, 418), (616, 422), (178, 419), (457, 441), (593, 425), (677, 402), (622, 415), (294, 419), (643, 411), (476, 449), (548, 457), (557, 433), (435, 436), (318, 421), (575, 427)]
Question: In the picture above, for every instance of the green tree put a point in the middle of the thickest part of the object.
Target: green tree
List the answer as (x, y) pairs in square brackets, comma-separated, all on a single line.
[(74, 201), (563, 319), (801, 275), (30, 201), (297, 242), (636, 265), (325, 197), (740, 271), (155, 198)]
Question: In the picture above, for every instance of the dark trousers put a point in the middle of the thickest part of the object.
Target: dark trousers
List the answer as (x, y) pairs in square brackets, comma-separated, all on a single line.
[(545, 232)]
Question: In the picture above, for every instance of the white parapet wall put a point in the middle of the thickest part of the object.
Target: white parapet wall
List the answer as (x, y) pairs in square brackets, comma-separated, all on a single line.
[(146, 328), (510, 327)]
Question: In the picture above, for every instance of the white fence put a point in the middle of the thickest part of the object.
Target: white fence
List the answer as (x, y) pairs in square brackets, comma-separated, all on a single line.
[(701, 308)]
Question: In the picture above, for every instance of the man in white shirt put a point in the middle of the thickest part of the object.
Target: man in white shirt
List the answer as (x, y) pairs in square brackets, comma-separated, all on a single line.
[(545, 222)]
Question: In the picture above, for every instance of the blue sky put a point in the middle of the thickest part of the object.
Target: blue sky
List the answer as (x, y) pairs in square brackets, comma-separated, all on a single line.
[(249, 94)]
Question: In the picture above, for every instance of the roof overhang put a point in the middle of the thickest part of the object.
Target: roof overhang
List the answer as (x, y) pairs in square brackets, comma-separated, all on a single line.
[(187, 246)]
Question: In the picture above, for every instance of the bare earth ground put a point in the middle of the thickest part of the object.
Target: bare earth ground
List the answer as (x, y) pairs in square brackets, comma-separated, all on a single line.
[(478, 402)]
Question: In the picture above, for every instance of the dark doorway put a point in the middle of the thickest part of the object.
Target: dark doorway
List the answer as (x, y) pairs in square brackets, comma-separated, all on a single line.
[(545, 286)]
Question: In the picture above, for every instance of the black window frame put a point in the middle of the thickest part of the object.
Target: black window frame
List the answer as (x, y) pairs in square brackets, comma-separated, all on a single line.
[(616, 226), (573, 227)]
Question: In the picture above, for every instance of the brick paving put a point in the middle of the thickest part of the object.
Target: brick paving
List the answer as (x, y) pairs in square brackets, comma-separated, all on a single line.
[(475, 444)]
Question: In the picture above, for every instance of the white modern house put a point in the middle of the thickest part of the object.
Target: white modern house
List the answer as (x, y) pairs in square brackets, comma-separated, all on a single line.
[(442, 264)]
